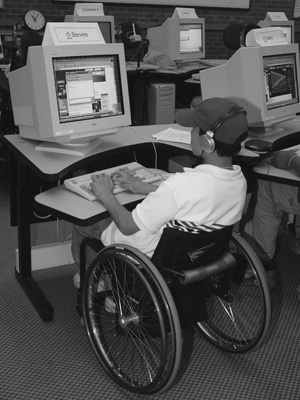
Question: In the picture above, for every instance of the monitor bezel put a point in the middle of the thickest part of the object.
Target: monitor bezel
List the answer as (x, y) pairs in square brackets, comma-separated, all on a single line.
[(229, 81), (281, 113), (37, 77)]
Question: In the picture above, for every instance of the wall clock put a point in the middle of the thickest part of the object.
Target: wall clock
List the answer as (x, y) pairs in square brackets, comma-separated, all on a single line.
[(34, 20)]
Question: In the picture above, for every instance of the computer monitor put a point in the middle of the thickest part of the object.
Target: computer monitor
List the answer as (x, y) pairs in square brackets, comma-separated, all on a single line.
[(263, 80), (182, 39), (106, 24), (288, 28), (71, 94)]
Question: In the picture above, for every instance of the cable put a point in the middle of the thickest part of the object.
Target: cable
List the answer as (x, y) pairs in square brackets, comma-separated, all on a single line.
[(41, 216), (147, 140)]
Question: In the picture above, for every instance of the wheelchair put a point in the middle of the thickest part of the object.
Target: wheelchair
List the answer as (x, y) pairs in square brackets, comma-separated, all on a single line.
[(134, 308)]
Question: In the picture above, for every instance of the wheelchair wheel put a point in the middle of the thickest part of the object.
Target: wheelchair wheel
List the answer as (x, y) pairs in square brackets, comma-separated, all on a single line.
[(239, 304), (131, 320)]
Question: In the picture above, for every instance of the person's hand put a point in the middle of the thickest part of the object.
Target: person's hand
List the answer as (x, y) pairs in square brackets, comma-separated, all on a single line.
[(282, 158), (127, 181), (101, 185)]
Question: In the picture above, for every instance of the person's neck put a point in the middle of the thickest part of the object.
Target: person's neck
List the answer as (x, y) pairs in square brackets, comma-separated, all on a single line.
[(221, 162)]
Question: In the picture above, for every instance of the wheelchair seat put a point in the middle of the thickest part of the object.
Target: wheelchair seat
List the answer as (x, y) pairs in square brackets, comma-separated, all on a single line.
[(134, 308)]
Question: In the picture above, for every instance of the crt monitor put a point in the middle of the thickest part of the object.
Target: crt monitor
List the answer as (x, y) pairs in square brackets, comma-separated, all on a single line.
[(71, 93), (182, 39), (263, 80), (288, 28), (106, 24)]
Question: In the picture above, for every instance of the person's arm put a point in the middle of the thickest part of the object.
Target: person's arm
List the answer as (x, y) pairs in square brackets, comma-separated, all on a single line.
[(287, 160), (129, 182), (103, 189)]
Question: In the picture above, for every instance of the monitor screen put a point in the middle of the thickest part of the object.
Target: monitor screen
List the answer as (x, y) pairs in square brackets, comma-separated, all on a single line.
[(280, 80), (87, 87), (182, 39), (191, 40), (287, 27), (71, 94), (263, 80), (106, 24)]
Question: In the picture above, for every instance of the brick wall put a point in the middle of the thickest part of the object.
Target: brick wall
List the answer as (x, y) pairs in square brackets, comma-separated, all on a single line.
[(148, 16)]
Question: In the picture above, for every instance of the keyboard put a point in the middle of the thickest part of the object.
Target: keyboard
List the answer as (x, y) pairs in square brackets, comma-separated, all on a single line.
[(81, 184), (196, 77)]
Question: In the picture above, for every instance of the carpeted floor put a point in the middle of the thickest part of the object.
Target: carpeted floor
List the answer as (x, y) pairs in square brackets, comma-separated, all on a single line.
[(54, 361)]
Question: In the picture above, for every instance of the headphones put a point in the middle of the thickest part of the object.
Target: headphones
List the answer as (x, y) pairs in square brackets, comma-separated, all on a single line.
[(207, 139)]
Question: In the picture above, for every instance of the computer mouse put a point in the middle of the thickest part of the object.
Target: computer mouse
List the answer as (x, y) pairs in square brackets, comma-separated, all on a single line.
[(258, 145)]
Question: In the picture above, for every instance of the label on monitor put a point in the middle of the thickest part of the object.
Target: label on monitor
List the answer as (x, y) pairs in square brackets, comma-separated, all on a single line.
[(88, 9), (265, 37), (69, 33), (276, 16), (180, 12)]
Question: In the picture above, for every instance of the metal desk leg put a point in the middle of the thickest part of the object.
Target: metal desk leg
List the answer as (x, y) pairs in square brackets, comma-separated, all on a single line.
[(30, 287)]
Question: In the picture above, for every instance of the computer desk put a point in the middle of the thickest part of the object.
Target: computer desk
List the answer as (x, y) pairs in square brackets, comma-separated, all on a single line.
[(289, 136), (65, 204), (265, 171)]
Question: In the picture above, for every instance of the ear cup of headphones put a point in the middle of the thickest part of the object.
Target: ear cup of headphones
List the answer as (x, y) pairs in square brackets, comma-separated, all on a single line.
[(207, 142)]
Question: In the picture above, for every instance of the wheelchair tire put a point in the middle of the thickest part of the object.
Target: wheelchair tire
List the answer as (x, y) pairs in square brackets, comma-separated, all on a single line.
[(131, 320), (239, 313)]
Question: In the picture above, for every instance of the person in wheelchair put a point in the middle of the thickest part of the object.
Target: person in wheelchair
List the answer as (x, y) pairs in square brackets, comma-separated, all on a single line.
[(208, 197)]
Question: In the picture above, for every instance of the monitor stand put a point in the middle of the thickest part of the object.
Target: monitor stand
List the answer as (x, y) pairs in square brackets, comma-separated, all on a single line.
[(73, 149), (265, 133)]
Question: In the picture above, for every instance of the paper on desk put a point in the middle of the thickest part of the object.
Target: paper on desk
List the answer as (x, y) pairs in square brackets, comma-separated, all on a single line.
[(174, 135)]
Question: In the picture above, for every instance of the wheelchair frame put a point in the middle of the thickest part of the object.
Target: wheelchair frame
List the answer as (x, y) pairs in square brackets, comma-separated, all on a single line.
[(133, 321)]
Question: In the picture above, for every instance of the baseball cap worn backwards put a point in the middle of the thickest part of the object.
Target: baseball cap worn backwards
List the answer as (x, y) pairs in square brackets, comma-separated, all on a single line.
[(208, 112)]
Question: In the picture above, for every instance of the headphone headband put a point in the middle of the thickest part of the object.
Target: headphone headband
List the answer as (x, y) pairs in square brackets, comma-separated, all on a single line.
[(230, 112)]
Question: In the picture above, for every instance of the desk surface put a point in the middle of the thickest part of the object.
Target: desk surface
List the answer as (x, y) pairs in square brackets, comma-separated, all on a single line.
[(284, 134), (188, 67), (265, 171), (54, 166), (66, 204)]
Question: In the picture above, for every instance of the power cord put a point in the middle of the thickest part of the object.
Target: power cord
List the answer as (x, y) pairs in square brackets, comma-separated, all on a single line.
[(147, 140)]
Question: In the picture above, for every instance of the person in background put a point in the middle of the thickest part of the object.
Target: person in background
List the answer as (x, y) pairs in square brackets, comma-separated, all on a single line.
[(27, 39), (263, 218), (245, 31)]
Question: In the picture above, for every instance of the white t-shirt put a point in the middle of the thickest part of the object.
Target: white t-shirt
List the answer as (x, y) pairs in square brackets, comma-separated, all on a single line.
[(207, 195)]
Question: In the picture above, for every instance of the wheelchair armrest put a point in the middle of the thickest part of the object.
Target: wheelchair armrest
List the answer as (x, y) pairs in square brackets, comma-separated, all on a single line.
[(197, 274)]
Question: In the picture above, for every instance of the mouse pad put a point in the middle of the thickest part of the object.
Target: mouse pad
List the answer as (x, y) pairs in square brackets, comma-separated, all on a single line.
[(258, 145)]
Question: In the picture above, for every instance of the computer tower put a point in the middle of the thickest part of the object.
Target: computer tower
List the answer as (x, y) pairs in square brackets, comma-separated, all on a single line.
[(160, 103)]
